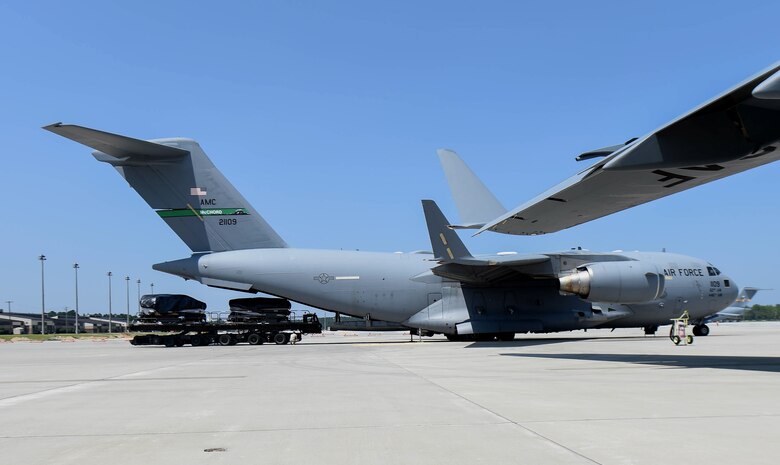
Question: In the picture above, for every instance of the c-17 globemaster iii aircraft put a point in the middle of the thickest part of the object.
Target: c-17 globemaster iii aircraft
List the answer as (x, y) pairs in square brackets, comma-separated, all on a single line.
[(452, 291)]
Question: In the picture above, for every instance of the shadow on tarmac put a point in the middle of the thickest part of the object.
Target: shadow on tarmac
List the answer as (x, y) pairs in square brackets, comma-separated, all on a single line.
[(365, 342), (724, 362), (526, 342)]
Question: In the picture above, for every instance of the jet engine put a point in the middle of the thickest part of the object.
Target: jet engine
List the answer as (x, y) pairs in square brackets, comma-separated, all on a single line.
[(614, 282)]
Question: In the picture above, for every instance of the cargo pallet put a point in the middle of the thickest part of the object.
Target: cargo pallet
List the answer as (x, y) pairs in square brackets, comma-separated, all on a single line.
[(225, 333)]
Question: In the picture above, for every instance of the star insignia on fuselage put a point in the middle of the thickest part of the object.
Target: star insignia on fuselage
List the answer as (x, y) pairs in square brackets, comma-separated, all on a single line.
[(323, 278)]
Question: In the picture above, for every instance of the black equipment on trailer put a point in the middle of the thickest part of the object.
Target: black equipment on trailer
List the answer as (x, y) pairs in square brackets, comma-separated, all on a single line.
[(259, 310), (225, 333), (171, 308)]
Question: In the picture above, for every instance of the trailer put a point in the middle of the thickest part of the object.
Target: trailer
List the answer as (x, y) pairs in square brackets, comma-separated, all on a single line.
[(225, 333)]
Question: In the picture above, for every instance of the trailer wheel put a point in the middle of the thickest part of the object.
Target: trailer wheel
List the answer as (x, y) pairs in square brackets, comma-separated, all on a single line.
[(169, 341), (254, 339), (179, 341), (281, 338), (224, 339), (195, 340)]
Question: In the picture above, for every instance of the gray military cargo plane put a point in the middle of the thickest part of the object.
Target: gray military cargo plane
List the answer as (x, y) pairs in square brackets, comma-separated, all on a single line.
[(452, 291)]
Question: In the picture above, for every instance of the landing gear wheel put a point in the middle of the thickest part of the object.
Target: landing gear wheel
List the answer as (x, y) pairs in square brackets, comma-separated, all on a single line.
[(506, 337), (281, 338), (650, 330), (225, 339), (254, 339), (701, 330)]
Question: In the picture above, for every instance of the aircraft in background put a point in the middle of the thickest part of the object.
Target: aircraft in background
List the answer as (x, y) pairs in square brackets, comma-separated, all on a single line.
[(735, 311), (451, 291)]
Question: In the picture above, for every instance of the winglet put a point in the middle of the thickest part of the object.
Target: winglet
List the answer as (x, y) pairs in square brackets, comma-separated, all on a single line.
[(446, 244), (476, 204)]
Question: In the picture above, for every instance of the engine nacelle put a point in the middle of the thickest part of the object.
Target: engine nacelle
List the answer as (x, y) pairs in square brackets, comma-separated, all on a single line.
[(618, 282)]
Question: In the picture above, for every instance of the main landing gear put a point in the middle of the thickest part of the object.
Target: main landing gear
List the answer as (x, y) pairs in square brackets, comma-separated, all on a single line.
[(650, 330), (701, 330)]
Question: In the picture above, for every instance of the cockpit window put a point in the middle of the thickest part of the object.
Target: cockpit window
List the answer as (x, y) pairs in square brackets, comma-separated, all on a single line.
[(712, 271)]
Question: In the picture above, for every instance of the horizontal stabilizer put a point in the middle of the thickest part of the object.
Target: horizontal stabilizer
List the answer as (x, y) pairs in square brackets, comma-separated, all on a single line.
[(117, 146)]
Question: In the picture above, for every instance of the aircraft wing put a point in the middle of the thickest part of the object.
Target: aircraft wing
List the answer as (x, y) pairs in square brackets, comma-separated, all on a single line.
[(731, 133)]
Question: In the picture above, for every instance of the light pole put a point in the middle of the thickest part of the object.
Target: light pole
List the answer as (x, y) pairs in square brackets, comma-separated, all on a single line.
[(76, 271), (9, 302), (152, 288), (109, 274), (127, 314), (138, 311), (42, 258)]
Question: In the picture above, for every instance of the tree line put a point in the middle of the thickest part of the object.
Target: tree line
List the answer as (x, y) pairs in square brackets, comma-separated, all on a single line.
[(763, 312)]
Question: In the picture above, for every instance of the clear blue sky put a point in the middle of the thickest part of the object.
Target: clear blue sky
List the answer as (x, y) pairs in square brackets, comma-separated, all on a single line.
[(326, 115)]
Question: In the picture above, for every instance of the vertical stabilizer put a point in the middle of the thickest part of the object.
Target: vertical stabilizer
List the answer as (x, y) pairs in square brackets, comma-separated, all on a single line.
[(745, 296), (177, 179)]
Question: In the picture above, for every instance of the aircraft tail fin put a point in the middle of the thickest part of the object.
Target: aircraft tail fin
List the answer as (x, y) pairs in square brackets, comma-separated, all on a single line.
[(745, 296), (446, 244), (476, 204), (176, 178)]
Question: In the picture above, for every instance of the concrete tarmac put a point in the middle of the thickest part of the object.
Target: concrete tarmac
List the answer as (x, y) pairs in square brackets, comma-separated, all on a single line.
[(573, 398)]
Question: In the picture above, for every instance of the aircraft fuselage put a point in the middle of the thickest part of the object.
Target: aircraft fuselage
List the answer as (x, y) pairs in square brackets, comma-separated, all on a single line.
[(399, 287)]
